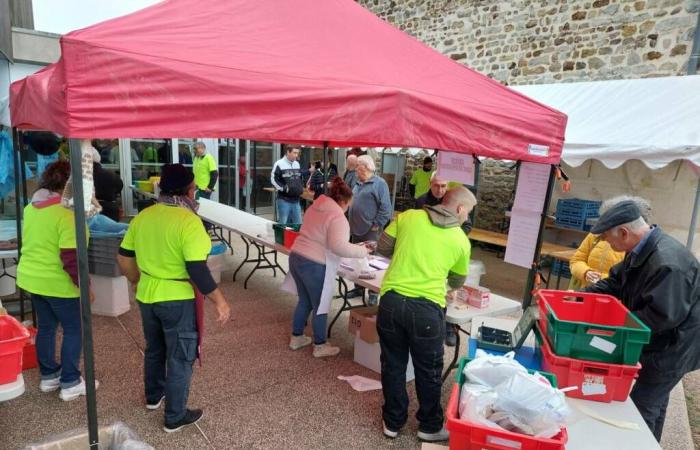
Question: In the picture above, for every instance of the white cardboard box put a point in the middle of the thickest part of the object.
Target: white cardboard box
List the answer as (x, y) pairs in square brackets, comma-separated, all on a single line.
[(367, 355), (111, 295)]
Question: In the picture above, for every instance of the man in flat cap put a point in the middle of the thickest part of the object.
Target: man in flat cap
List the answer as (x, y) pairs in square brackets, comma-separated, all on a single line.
[(659, 280)]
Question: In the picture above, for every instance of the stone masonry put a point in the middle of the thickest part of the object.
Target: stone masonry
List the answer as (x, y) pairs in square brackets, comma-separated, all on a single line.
[(547, 41)]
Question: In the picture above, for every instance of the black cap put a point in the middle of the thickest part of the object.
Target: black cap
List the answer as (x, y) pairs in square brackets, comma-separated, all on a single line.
[(624, 212), (174, 178), (427, 160)]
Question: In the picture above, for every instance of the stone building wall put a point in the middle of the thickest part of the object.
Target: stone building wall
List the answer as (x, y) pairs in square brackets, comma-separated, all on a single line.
[(547, 41)]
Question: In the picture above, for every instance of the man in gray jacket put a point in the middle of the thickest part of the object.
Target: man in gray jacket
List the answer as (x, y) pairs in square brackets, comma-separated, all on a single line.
[(371, 208), (659, 281)]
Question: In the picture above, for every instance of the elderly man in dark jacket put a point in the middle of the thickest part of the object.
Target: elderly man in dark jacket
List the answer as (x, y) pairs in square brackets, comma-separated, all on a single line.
[(659, 280)]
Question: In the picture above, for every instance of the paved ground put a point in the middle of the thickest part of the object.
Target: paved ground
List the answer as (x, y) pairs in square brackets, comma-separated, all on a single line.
[(256, 393)]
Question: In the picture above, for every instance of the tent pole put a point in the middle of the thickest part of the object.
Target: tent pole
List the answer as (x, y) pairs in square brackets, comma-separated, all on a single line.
[(84, 284), (18, 210), (527, 296), (694, 218), (325, 166)]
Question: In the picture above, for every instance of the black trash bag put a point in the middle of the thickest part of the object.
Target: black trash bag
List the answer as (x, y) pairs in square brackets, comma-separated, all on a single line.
[(42, 142)]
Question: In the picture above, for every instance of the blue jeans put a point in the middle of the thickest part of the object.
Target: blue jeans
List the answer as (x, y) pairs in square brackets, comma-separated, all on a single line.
[(416, 326), (50, 312), (170, 330), (288, 212), (308, 276)]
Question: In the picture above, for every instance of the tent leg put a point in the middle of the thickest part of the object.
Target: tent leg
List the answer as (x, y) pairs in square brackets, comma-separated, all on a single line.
[(694, 218), (325, 166), (18, 210), (527, 296), (84, 282)]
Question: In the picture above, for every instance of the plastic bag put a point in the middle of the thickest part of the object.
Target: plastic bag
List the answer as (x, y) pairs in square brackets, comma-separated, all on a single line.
[(476, 403), (360, 383), (114, 437), (532, 405), (492, 370)]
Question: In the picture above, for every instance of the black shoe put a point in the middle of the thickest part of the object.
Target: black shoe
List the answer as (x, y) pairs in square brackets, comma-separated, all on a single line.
[(357, 292), (450, 337), (191, 416)]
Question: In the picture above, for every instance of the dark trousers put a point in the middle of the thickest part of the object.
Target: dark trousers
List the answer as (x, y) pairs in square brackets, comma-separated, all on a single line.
[(651, 399), (170, 330), (416, 326), (51, 312)]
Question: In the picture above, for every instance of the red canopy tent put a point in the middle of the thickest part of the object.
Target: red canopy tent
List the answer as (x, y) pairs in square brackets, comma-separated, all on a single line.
[(306, 71), (302, 71)]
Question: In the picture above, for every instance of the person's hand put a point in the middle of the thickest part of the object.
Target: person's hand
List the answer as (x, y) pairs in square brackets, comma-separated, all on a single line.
[(91, 296), (370, 245), (374, 227), (592, 277), (207, 190), (223, 312)]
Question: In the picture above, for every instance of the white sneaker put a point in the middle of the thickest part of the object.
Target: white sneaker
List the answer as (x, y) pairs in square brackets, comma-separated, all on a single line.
[(297, 342), (323, 350), (50, 385), (441, 435), (76, 391), (389, 433), (156, 405)]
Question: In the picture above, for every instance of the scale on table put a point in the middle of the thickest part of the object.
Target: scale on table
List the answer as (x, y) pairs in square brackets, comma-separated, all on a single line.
[(490, 338)]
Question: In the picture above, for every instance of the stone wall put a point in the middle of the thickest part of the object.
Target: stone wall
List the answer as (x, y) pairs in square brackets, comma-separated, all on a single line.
[(543, 41), (496, 184)]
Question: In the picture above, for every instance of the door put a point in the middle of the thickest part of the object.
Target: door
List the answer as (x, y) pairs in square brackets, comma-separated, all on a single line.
[(262, 156)]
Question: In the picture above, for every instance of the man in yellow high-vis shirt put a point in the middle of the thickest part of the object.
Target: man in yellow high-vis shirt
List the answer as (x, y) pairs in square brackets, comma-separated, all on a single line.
[(205, 172), (164, 253)]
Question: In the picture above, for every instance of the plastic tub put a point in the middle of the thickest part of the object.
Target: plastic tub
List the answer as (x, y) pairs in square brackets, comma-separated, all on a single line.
[(289, 237), (461, 378), (466, 435), (279, 230), (596, 381), (594, 327), (13, 338), (29, 360)]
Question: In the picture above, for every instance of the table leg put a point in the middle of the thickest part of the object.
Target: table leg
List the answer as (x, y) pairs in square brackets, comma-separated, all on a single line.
[(262, 262), (453, 363), (246, 259), (218, 233), (347, 306)]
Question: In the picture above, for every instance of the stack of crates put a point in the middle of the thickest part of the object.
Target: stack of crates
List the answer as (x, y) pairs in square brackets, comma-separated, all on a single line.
[(591, 341), (576, 213), (466, 435), (102, 256), (561, 269)]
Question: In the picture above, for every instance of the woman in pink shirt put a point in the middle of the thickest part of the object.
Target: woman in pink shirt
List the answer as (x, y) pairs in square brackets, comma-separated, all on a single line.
[(325, 228)]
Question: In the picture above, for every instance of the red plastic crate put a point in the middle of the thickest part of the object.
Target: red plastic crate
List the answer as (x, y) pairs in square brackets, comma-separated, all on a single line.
[(13, 337), (600, 382), (470, 436), (289, 237), (590, 326), (29, 360)]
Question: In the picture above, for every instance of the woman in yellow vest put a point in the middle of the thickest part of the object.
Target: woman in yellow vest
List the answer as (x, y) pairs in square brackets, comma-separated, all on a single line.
[(164, 253), (48, 270)]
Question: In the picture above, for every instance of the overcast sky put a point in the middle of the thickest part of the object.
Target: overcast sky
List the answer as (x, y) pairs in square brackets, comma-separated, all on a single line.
[(68, 15)]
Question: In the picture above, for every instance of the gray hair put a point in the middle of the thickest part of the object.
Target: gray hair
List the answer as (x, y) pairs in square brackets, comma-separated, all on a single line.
[(643, 205), (636, 225), (199, 145), (368, 162), (434, 176)]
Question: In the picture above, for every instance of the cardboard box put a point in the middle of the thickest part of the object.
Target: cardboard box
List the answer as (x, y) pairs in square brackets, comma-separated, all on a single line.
[(478, 296), (363, 321), (367, 355)]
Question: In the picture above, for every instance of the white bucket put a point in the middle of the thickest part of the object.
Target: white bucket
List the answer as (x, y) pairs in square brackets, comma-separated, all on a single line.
[(476, 270)]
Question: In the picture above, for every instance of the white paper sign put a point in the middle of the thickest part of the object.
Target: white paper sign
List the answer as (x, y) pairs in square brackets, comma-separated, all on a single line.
[(532, 186), (456, 167), (522, 238), (593, 389)]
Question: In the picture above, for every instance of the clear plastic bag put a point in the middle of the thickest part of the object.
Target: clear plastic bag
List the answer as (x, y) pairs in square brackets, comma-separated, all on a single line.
[(492, 370), (117, 436)]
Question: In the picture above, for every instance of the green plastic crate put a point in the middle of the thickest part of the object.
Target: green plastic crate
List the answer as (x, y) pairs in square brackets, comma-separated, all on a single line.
[(279, 230), (606, 331), (465, 359)]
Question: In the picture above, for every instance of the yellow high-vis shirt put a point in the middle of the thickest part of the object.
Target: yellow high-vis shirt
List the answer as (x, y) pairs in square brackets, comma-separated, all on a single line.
[(44, 233), (421, 180), (424, 255), (202, 168), (163, 238)]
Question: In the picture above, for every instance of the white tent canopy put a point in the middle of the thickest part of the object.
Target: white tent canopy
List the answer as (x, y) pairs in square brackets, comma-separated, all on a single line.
[(654, 120)]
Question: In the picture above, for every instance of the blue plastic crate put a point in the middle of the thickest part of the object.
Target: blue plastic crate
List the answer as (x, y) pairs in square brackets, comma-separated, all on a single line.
[(561, 268), (577, 223), (576, 207)]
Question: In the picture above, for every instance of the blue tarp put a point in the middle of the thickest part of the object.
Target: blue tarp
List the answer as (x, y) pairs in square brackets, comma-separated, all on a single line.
[(7, 165)]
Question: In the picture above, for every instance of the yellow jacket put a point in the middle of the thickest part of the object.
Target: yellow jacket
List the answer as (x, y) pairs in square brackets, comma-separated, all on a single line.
[(593, 254)]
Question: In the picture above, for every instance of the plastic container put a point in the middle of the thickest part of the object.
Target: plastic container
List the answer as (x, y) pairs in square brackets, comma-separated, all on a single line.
[(594, 327), (289, 237), (13, 338), (144, 185), (29, 360), (117, 436), (279, 230), (466, 435), (575, 213), (596, 381), (461, 378)]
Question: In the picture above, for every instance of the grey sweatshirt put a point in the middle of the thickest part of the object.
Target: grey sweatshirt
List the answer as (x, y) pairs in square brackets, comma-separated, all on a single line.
[(371, 205)]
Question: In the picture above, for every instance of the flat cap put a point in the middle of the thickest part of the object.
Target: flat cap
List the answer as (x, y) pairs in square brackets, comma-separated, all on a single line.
[(624, 212)]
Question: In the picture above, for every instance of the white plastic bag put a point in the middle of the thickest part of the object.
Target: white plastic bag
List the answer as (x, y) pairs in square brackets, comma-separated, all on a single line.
[(360, 383), (476, 403), (492, 370), (532, 405)]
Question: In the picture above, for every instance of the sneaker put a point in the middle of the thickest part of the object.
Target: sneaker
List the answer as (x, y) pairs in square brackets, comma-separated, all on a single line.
[(450, 336), (297, 342), (323, 350), (50, 385), (389, 433), (191, 416), (155, 405), (76, 391), (438, 436)]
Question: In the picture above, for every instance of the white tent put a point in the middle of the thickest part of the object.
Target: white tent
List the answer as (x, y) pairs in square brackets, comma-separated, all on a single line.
[(652, 120)]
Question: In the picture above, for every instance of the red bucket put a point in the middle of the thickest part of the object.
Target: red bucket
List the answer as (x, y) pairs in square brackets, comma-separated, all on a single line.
[(289, 237), (13, 337), (29, 360)]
